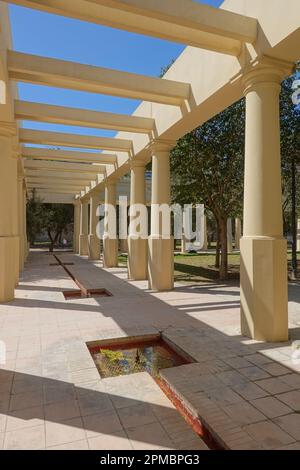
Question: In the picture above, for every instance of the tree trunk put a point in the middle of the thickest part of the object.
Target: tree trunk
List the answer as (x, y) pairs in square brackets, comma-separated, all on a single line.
[(51, 246), (53, 241), (217, 264), (224, 252)]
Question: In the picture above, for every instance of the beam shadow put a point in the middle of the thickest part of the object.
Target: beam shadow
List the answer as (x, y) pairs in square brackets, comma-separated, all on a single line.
[(94, 411)]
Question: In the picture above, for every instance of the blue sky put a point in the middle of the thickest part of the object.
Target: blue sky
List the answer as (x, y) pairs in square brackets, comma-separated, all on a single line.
[(39, 33)]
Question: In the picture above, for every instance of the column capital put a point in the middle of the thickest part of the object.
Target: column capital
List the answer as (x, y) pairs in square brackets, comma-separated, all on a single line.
[(266, 72), (112, 181), (160, 145), (137, 164), (8, 129)]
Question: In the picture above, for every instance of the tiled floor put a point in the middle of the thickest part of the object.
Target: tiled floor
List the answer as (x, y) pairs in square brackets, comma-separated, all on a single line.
[(51, 395)]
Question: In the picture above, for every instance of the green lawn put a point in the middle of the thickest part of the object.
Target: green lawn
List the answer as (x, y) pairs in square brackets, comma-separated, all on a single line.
[(200, 267)]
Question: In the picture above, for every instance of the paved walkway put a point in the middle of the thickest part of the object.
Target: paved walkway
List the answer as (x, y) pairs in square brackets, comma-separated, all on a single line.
[(51, 395)]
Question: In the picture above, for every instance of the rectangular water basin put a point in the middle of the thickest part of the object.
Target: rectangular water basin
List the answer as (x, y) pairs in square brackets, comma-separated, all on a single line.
[(86, 294), (129, 356)]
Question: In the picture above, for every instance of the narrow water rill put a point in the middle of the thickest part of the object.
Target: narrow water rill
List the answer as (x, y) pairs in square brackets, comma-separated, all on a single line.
[(82, 292)]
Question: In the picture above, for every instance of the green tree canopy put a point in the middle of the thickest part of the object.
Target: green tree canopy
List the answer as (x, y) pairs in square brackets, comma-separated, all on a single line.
[(207, 167), (54, 219)]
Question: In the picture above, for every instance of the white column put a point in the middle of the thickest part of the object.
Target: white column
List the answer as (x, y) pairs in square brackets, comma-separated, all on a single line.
[(137, 246), (264, 300), (161, 243), (26, 248), (183, 240), (76, 227), (21, 221), (9, 239), (84, 223), (110, 240), (94, 241), (123, 245)]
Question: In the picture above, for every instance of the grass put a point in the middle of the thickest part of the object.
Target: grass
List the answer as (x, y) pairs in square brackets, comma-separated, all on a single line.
[(200, 267), (122, 260), (192, 268)]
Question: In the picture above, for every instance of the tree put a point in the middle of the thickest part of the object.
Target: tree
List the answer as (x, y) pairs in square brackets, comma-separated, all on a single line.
[(290, 160), (34, 210), (207, 166), (51, 218), (56, 219)]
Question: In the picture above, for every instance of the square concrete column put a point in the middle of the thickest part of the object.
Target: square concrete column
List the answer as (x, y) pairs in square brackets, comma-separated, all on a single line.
[(84, 228), (183, 245), (124, 245), (137, 243), (76, 234), (110, 239), (9, 239), (26, 249), (264, 299), (21, 222), (161, 242), (94, 241)]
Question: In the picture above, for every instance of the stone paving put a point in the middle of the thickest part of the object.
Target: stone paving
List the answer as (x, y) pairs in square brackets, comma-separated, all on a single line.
[(246, 393)]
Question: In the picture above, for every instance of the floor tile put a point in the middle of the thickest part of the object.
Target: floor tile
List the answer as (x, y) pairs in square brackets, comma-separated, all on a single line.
[(64, 432), (31, 439), (271, 407), (116, 441)]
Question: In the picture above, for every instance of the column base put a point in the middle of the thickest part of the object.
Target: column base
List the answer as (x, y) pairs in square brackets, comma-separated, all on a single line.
[(264, 289), (25, 248), (9, 267), (21, 253), (93, 247), (161, 264), (110, 252), (123, 245), (137, 259), (83, 245)]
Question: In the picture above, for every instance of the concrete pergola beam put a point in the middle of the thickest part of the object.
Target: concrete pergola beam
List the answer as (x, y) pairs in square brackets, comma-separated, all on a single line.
[(60, 166), (55, 198), (53, 174), (68, 155), (57, 181), (40, 191), (74, 188), (38, 112), (182, 21), (63, 74), (28, 136)]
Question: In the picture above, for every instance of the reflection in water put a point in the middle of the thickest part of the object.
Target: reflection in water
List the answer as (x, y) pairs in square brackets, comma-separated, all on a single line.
[(141, 357)]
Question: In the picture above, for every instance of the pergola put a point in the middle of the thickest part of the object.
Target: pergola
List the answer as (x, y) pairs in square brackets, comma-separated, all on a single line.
[(245, 48)]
